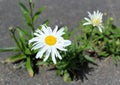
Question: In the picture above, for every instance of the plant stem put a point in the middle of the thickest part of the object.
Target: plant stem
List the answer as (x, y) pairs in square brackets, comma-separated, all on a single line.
[(90, 38), (31, 15), (17, 43)]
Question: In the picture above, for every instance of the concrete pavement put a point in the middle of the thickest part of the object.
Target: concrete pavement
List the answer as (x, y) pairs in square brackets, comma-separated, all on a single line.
[(59, 12)]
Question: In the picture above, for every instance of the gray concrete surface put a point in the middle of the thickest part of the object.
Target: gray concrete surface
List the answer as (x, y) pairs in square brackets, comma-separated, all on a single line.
[(60, 12)]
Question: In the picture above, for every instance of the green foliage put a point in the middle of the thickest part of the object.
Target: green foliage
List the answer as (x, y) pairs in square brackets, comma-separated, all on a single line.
[(9, 49), (87, 45), (29, 67), (107, 44), (36, 15), (21, 37), (15, 58), (26, 13)]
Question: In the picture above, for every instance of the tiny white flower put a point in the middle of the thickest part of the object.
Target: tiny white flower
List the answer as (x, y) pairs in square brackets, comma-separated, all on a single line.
[(95, 19), (48, 42)]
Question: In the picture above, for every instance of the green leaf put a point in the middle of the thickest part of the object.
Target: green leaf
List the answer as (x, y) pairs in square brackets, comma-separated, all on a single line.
[(66, 76), (14, 49), (25, 32), (90, 59), (27, 51), (114, 59), (61, 65), (22, 39), (118, 58), (15, 58), (39, 63), (36, 15), (67, 34), (26, 13), (46, 22), (60, 72), (29, 67), (103, 54), (23, 7)]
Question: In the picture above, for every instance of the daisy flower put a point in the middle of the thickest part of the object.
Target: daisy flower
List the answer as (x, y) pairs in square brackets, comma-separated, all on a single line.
[(48, 42), (95, 19)]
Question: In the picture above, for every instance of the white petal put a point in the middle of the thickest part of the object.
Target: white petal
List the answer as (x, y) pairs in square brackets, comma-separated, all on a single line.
[(45, 30), (87, 23), (36, 34), (37, 46), (41, 52), (100, 29), (39, 31), (94, 13), (60, 32), (58, 55), (61, 48), (67, 43), (55, 30), (49, 30), (87, 19), (47, 54), (53, 56), (89, 14), (33, 40)]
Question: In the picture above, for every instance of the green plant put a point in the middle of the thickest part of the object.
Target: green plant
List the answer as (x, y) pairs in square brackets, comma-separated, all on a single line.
[(107, 43), (21, 36)]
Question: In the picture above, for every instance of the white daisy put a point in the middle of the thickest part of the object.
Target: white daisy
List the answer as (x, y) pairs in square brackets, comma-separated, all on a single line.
[(95, 19), (49, 42)]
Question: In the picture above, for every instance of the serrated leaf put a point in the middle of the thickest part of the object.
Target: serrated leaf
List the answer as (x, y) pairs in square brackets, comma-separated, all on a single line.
[(14, 49), (15, 58), (36, 15), (89, 59), (29, 67)]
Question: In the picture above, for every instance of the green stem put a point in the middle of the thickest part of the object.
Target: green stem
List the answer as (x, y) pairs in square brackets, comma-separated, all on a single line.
[(31, 15), (90, 38), (17, 43)]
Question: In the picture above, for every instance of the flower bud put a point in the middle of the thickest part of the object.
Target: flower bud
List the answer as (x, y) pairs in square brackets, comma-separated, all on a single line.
[(111, 18), (30, 1), (12, 29)]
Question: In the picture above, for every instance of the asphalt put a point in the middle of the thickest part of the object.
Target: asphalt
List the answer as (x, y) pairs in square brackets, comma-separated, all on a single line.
[(61, 13)]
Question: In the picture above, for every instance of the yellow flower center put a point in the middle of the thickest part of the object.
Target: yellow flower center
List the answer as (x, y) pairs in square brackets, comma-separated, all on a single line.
[(50, 40), (96, 22)]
